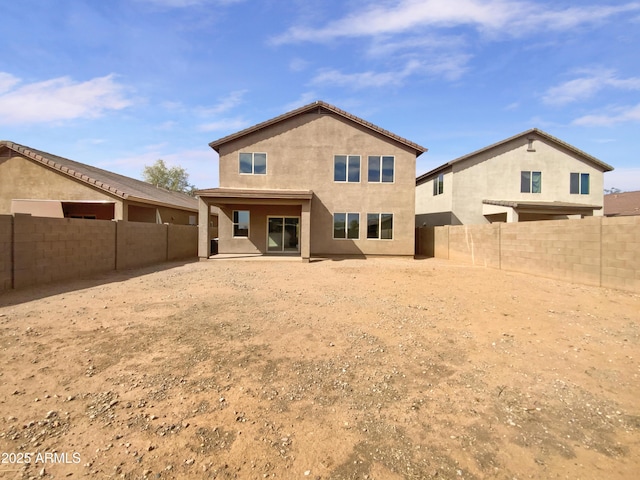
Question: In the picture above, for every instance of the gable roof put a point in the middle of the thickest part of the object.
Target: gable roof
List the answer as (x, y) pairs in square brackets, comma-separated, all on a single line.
[(320, 107), (623, 203), (112, 183), (605, 167)]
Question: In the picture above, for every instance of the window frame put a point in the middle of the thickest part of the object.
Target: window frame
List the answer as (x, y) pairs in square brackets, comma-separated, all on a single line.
[(438, 185), (236, 224), (346, 229), (253, 163), (530, 183), (579, 179), (380, 163), (348, 158), (379, 223)]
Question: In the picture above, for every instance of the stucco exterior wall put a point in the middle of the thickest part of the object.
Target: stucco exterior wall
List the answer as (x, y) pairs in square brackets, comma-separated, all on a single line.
[(435, 209), (300, 156), (21, 178), (495, 175)]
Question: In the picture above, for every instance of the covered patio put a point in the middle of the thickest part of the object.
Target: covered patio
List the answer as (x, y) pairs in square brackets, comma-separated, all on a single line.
[(266, 222), (523, 211)]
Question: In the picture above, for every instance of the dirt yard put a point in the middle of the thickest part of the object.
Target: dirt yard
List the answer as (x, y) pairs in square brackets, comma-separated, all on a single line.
[(354, 369)]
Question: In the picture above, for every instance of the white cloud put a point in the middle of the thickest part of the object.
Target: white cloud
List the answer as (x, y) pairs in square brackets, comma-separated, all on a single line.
[(491, 16), (587, 86), (450, 67), (614, 116), (234, 99), (7, 82), (59, 99), (228, 124)]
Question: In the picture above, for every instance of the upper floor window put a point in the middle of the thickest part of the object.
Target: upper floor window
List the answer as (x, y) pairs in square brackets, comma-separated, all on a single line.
[(438, 184), (346, 225), (241, 223), (346, 168), (579, 183), (381, 169), (253, 163), (530, 182), (380, 226)]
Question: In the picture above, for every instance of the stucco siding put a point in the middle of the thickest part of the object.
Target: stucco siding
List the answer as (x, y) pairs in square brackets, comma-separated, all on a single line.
[(300, 156), (21, 178), (495, 175)]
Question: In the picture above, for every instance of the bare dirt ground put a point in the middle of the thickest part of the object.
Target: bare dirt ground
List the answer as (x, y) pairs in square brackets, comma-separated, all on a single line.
[(355, 369)]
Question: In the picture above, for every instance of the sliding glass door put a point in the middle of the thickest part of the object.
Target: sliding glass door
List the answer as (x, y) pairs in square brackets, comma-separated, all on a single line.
[(283, 234)]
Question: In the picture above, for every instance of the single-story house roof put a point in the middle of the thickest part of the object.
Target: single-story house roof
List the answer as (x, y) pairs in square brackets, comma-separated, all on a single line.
[(605, 167), (319, 107), (622, 204), (117, 185)]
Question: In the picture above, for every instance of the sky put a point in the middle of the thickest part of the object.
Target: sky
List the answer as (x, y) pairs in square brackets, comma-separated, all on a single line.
[(119, 84)]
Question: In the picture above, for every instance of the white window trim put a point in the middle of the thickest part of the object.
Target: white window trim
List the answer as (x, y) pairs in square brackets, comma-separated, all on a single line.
[(253, 164), (380, 164), (531, 172), (346, 225), (347, 176), (436, 182), (233, 225), (379, 237)]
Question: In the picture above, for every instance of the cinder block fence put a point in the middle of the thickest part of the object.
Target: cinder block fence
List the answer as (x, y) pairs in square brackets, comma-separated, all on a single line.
[(36, 250), (597, 251)]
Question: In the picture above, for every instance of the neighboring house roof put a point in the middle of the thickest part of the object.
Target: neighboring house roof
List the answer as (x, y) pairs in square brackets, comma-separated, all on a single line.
[(318, 106), (605, 167), (117, 185), (527, 205), (622, 204)]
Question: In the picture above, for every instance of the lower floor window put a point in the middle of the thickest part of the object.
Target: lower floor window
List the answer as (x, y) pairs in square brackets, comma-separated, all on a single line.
[(380, 226), (346, 225), (241, 223)]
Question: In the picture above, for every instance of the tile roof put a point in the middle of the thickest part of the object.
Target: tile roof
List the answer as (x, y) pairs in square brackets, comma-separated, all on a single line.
[(109, 182), (623, 203), (605, 167), (318, 106), (533, 205)]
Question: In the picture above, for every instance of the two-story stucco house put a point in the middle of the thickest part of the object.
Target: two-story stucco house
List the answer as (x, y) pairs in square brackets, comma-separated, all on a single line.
[(530, 176), (316, 181)]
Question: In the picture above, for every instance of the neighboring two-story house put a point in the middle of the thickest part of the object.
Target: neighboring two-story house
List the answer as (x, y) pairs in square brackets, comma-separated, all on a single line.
[(316, 181), (530, 176)]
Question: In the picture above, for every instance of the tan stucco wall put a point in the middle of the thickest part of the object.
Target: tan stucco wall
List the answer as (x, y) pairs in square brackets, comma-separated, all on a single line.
[(6, 252), (495, 175), (300, 155), (428, 203), (21, 178)]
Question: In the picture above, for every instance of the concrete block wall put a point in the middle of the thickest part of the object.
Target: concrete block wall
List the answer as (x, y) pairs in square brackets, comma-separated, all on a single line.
[(563, 249), (51, 249), (140, 244), (37, 250), (621, 253), (475, 244), (6, 252), (182, 242), (593, 251)]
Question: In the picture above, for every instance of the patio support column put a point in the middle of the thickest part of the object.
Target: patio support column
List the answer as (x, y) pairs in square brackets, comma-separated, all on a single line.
[(305, 231), (512, 215), (204, 244)]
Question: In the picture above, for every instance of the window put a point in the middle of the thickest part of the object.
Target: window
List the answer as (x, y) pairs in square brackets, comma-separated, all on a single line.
[(240, 223), (438, 184), (346, 168), (530, 182), (381, 169), (253, 163), (346, 225), (579, 183), (380, 226)]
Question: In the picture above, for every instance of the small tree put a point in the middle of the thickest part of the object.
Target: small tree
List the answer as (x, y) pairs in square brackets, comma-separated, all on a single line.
[(612, 190), (171, 178)]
